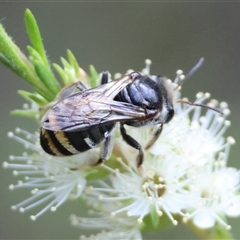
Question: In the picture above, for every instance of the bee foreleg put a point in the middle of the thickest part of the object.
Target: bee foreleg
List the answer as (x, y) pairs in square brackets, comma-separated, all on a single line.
[(155, 137), (105, 152), (133, 143)]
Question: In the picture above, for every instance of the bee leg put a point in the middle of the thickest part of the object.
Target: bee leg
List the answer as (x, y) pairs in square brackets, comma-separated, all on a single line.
[(155, 137), (104, 78), (133, 143), (106, 149)]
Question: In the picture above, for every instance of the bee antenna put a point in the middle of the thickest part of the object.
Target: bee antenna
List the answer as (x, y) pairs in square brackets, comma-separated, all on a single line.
[(195, 68), (201, 105), (183, 78)]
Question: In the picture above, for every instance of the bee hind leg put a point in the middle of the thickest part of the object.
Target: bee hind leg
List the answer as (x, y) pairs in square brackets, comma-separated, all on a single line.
[(133, 143), (105, 152)]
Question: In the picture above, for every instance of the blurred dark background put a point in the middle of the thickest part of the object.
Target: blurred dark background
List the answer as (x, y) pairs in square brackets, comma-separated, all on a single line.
[(116, 36)]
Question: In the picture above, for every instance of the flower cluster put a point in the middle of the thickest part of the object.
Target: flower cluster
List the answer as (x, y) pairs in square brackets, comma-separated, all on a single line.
[(184, 175)]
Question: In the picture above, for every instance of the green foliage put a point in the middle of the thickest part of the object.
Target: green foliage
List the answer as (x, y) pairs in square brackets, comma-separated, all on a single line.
[(93, 76), (36, 70)]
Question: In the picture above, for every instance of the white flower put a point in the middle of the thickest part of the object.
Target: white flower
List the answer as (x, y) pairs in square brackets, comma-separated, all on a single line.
[(218, 191), (111, 227), (159, 189), (51, 180), (184, 174)]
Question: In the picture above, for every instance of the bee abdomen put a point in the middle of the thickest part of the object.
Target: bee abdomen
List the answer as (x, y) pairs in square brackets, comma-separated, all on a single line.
[(53, 143), (60, 143)]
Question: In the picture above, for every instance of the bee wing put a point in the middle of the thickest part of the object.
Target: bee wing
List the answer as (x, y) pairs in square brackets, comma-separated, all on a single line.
[(92, 107), (112, 88), (89, 114)]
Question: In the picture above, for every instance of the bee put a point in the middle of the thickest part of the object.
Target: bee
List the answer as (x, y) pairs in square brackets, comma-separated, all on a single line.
[(81, 120)]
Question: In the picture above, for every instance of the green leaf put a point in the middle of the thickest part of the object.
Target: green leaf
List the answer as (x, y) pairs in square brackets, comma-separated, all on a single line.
[(33, 97), (34, 34), (37, 52), (44, 72), (95, 174), (150, 225), (74, 63), (61, 73), (5, 61), (12, 57), (44, 94), (70, 76), (25, 113), (65, 63), (10, 53), (34, 55), (47, 78), (93, 76)]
